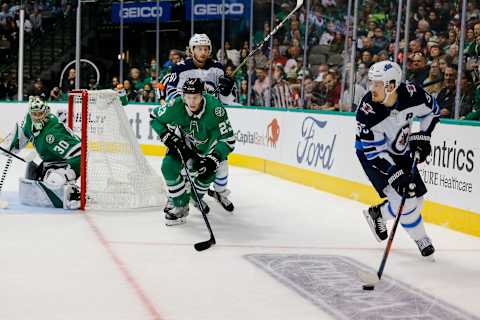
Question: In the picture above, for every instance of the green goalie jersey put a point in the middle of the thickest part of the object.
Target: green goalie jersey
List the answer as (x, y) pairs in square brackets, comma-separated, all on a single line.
[(209, 131), (53, 143)]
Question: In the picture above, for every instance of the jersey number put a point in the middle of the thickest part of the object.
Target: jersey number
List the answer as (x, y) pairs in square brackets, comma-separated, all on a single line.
[(61, 147), (225, 127)]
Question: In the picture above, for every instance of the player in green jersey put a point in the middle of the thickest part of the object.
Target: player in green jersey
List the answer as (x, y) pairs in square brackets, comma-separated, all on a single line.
[(195, 127), (52, 182)]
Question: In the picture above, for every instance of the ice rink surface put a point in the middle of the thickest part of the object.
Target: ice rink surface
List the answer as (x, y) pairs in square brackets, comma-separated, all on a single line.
[(273, 260)]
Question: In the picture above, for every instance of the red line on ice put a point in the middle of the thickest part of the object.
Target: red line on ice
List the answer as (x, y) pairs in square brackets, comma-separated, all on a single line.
[(147, 303)]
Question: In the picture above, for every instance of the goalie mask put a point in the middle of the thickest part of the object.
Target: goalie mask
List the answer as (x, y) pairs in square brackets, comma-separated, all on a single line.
[(38, 110), (192, 94), (202, 41), (381, 76)]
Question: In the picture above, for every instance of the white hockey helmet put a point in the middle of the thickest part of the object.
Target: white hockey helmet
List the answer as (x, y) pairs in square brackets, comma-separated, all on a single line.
[(388, 72), (37, 105), (199, 39)]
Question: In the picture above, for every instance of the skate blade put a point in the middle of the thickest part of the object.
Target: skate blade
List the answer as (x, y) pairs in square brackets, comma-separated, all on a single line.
[(371, 225), (430, 258), (170, 223)]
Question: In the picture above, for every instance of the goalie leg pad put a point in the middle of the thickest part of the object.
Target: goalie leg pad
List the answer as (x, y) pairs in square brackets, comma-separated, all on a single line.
[(36, 193)]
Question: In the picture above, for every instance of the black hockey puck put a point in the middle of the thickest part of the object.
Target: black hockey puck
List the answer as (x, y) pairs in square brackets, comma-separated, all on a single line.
[(368, 287)]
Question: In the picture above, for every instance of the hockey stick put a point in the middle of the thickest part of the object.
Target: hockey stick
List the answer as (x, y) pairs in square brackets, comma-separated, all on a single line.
[(4, 203), (261, 44), (370, 279), (267, 38), (204, 245), (11, 154)]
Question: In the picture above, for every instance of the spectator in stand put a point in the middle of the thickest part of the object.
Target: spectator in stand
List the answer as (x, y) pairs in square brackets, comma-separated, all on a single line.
[(332, 92), (38, 89), (174, 57), (55, 94), (433, 83), (243, 93), (469, 38), (444, 62), (69, 83), (277, 57), (367, 45), (446, 96), (231, 54), (434, 51), (129, 90), (144, 94), (362, 76), (261, 87), (328, 36), (367, 58), (419, 69), (379, 40), (36, 20), (295, 32), (434, 21), (281, 93), (135, 78), (453, 53), (467, 95), (322, 72), (308, 86), (4, 14), (115, 82)]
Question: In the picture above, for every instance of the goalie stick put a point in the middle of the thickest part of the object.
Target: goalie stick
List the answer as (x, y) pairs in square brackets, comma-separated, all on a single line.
[(370, 279), (4, 203)]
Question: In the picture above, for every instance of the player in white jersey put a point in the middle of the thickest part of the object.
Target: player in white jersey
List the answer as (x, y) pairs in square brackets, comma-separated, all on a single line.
[(200, 65), (385, 145)]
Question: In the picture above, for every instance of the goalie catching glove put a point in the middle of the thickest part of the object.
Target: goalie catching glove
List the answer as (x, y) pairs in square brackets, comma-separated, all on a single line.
[(206, 166), (420, 142)]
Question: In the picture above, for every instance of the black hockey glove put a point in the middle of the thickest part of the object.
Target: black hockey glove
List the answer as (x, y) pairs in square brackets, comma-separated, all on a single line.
[(206, 166), (401, 181), (225, 85), (420, 142), (176, 144)]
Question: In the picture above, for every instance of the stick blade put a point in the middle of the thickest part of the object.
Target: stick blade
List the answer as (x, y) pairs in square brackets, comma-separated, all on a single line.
[(204, 245), (370, 279), (299, 3)]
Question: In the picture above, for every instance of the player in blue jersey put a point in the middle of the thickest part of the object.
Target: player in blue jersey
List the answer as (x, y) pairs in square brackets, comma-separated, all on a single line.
[(385, 145)]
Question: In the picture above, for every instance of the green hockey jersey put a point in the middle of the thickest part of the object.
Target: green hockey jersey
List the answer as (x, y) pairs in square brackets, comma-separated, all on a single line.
[(53, 143), (209, 131)]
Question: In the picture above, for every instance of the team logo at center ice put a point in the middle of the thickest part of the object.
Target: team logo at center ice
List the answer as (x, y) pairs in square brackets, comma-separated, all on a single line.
[(219, 112), (50, 138)]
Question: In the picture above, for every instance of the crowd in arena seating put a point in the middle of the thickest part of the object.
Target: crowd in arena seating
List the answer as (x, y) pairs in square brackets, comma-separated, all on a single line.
[(38, 13), (278, 81)]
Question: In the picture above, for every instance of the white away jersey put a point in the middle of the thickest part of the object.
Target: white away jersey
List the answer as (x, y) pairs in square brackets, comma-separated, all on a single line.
[(383, 131), (187, 69)]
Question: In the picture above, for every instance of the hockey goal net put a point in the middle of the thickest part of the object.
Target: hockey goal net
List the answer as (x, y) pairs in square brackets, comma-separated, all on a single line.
[(114, 172)]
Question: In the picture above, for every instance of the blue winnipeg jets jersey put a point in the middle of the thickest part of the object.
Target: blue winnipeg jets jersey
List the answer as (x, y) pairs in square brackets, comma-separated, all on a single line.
[(382, 132), (187, 69)]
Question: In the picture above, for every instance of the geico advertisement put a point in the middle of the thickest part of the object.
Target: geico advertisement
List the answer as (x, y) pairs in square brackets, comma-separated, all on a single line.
[(451, 171)]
